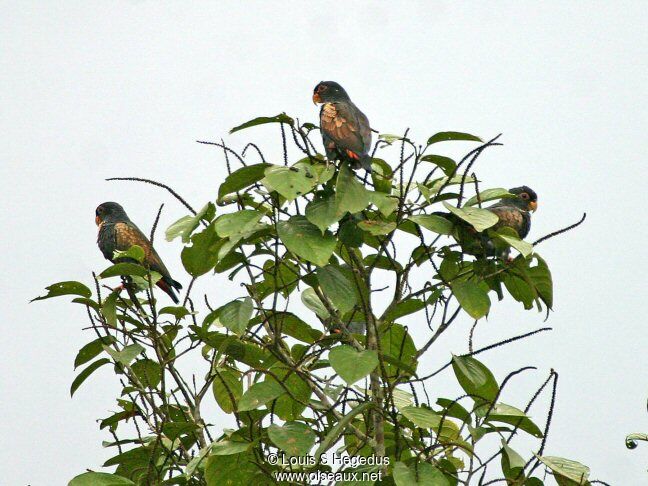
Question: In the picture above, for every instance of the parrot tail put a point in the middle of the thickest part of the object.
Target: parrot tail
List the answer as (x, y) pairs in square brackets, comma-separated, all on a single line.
[(168, 288)]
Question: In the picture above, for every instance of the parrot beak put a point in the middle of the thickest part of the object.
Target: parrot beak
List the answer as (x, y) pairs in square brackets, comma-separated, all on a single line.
[(533, 206), (98, 220), (316, 98)]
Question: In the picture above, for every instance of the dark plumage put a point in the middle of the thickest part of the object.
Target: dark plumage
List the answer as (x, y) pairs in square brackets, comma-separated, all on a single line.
[(118, 232), (345, 129)]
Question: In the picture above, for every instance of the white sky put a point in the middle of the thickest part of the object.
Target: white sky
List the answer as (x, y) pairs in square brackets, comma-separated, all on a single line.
[(91, 90)]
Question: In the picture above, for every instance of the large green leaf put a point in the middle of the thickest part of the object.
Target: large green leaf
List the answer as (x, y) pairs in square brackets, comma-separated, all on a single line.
[(478, 218), (305, 240), (514, 416), (510, 237), (233, 470), (386, 204), (227, 388), (566, 471), (126, 354), (541, 278), (423, 474), (202, 255), (446, 136), (148, 372), (187, 224), (398, 348), (65, 288), (290, 182), (228, 447), (86, 372), (235, 315), (259, 394), (475, 378), (310, 299), (99, 479), (337, 287), (512, 462), (377, 227), (422, 417), (489, 195), (262, 120), (334, 433), (295, 438), (446, 164), (352, 365), (472, 297), (92, 350), (321, 211), (124, 269), (238, 224), (289, 406), (242, 178), (351, 195), (433, 222)]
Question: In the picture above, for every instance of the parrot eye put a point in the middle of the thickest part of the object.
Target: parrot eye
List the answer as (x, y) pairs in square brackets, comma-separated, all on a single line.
[(524, 196), (321, 88)]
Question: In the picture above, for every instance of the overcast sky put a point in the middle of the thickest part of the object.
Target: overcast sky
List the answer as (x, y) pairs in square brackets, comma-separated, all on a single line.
[(90, 90)]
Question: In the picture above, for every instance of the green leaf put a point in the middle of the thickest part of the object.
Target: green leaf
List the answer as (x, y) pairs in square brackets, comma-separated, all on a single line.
[(310, 299), (472, 298), (352, 365), (295, 438), (290, 182), (126, 355), (305, 240), (262, 120), (227, 388), (123, 269), (289, 406), (241, 179), (202, 255), (350, 196), (259, 394), (321, 211), (148, 372), (422, 474), (509, 236), (99, 479), (475, 378), (404, 308), (447, 136), (176, 311), (541, 278), (398, 349), (489, 195), (566, 469), (386, 204), (135, 252), (433, 222), (513, 416), (241, 223), (233, 470), (187, 224), (512, 462), (446, 164), (236, 315), (376, 227), (337, 287), (228, 447), (83, 376), (334, 434), (478, 218), (65, 288), (381, 176), (109, 308), (92, 350), (422, 417)]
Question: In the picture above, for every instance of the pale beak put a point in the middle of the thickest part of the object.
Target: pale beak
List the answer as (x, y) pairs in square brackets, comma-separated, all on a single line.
[(97, 220), (533, 205), (316, 98)]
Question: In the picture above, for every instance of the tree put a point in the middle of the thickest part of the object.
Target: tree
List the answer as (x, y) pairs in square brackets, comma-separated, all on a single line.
[(311, 360)]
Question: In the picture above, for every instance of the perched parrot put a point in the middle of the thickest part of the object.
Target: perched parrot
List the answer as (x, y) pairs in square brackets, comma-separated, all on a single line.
[(118, 232), (512, 212), (345, 129)]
